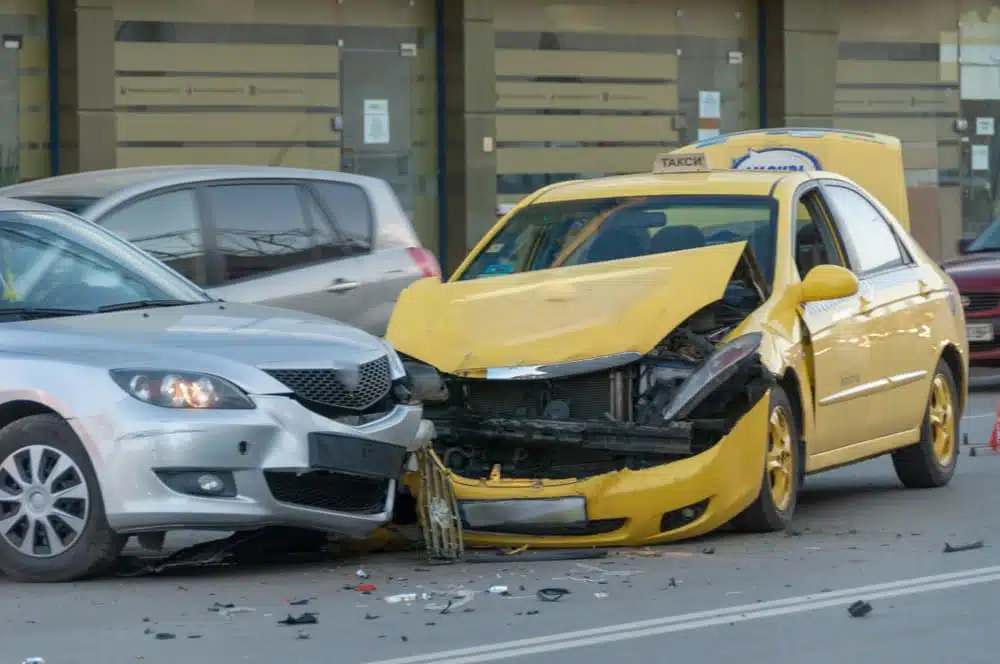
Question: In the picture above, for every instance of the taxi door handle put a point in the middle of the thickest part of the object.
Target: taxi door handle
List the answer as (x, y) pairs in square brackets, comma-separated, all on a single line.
[(925, 289), (865, 303)]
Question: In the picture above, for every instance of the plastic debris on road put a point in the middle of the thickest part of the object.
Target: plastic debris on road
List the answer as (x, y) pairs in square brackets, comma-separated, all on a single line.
[(859, 609)]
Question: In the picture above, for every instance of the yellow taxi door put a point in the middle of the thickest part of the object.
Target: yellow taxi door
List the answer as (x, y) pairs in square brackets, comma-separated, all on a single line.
[(838, 346), (901, 345)]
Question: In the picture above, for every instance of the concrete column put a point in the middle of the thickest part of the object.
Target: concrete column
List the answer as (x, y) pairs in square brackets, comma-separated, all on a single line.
[(800, 73), (470, 126), (86, 54)]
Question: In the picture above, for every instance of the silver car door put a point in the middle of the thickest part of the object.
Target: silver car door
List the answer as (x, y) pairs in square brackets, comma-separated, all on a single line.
[(272, 251)]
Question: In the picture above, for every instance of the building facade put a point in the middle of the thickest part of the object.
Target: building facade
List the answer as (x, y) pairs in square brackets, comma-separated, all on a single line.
[(466, 104)]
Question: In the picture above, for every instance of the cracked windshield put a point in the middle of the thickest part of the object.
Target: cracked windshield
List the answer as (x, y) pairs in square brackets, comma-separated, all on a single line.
[(542, 331)]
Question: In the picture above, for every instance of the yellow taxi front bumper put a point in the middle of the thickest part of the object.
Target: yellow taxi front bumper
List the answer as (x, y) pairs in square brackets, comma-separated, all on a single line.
[(675, 501)]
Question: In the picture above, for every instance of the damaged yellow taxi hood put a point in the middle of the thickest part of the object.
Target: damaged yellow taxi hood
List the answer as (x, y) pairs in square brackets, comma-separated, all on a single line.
[(558, 315)]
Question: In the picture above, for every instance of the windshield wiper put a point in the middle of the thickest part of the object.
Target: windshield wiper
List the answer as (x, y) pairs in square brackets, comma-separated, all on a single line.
[(25, 313), (142, 304)]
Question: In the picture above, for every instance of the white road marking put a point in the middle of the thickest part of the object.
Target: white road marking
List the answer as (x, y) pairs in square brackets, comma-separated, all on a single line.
[(976, 417), (700, 619)]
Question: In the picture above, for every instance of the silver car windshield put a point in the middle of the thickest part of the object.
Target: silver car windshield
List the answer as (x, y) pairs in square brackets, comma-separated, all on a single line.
[(56, 260)]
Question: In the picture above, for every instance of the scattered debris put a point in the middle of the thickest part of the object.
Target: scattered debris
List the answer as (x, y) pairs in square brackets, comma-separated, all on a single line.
[(601, 595), (219, 607), (204, 554), (708, 550), (369, 616), (366, 588), (304, 619), (33, 660), (499, 590), (194, 636), (859, 609), (957, 548), (302, 635), (458, 599), (552, 594), (300, 602), (792, 532), (402, 597), (404, 638), (430, 624), (535, 556), (164, 636), (672, 583), (361, 574)]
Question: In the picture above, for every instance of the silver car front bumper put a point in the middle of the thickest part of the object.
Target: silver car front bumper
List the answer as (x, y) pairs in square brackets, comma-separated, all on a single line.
[(277, 463)]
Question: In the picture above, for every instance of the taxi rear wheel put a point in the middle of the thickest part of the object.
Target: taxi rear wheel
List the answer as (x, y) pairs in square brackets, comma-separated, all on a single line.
[(779, 488), (931, 462)]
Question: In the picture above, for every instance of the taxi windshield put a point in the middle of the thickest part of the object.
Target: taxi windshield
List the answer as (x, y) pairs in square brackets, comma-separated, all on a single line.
[(563, 233)]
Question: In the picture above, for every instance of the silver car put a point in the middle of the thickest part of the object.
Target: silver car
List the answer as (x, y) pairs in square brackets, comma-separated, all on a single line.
[(133, 402), (332, 244)]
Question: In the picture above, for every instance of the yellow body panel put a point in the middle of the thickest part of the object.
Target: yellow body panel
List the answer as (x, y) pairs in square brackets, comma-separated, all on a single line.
[(860, 366)]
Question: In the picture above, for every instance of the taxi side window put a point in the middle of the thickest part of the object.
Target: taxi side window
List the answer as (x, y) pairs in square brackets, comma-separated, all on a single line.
[(815, 243), (873, 243)]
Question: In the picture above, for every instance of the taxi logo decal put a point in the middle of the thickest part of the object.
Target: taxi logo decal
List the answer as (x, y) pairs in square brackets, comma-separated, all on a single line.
[(777, 159)]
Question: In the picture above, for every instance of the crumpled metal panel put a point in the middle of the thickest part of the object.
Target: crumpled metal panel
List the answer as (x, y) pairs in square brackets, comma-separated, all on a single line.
[(437, 509)]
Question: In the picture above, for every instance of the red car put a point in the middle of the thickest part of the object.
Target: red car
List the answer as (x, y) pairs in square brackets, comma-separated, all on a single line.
[(977, 274)]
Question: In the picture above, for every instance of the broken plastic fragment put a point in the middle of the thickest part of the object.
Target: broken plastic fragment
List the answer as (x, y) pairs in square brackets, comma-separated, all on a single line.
[(402, 597), (33, 660), (498, 590), (304, 619), (859, 609), (365, 588), (600, 595), (361, 574), (956, 548), (164, 636)]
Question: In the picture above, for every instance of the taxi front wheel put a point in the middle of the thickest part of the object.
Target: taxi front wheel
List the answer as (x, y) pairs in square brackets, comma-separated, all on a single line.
[(931, 462), (779, 488)]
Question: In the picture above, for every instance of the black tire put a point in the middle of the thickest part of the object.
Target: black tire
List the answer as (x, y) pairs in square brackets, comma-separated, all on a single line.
[(918, 466), (97, 548), (763, 515)]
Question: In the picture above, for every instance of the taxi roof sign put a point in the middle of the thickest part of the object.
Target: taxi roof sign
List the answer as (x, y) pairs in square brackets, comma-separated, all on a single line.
[(687, 162)]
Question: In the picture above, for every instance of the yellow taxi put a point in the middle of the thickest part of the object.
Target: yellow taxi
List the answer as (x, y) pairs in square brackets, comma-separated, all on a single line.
[(645, 358)]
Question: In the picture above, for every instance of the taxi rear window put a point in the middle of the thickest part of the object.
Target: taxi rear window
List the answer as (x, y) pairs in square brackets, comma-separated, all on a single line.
[(551, 235)]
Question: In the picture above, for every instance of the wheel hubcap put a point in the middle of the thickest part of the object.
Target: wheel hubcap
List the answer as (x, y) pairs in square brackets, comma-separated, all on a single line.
[(44, 501), (941, 413), (780, 458)]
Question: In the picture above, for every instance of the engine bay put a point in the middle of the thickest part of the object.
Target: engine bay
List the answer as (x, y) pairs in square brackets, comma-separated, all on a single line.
[(585, 425)]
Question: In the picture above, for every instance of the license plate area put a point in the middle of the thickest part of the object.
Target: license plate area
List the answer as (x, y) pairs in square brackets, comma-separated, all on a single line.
[(980, 331), (355, 456)]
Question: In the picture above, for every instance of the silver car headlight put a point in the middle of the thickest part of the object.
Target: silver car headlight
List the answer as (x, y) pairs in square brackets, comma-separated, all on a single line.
[(181, 389), (717, 369)]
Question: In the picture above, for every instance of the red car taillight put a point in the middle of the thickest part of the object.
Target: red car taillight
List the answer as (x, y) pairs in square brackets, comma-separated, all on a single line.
[(425, 260)]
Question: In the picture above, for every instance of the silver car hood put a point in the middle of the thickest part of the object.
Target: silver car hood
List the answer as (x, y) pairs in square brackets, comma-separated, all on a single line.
[(227, 339)]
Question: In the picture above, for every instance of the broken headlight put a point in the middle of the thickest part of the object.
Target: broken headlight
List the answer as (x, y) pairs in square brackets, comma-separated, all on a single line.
[(717, 369)]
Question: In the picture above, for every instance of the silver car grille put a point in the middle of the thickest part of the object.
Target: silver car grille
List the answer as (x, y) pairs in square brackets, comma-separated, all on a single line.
[(336, 389)]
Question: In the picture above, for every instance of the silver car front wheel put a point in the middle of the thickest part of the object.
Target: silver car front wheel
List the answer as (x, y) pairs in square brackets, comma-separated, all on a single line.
[(52, 522), (44, 501)]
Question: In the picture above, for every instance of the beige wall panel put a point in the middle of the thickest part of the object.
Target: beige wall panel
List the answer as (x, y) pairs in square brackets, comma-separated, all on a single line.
[(584, 128), (229, 58), (896, 20), (511, 62), (33, 91), (324, 158), (34, 163), (896, 100), (643, 17), (211, 91), (34, 126), (885, 71), (578, 160), (37, 7), (302, 12), (950, 220), (506, 199), (600, 96), (929, 155), (914, 130), (150, 126), (34, 54)]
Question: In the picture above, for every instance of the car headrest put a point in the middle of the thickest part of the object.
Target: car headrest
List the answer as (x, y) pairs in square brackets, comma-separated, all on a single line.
[(677, 238), (616, 243)]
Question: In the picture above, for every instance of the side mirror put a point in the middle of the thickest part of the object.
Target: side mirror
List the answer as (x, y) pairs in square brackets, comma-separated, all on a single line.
[(828, 282), (963, 244)]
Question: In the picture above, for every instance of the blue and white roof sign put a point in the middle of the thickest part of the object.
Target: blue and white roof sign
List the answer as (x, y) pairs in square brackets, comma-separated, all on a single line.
[(777, 159)]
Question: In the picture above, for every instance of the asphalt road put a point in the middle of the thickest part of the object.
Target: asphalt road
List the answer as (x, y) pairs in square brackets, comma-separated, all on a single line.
[(778, 598)]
